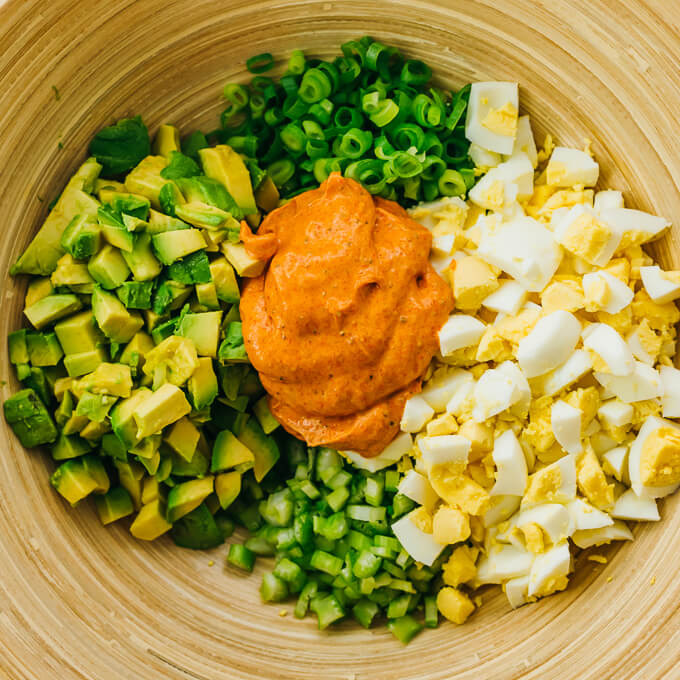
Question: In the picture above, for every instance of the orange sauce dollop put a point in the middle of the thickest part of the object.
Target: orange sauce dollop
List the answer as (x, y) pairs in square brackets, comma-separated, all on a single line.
[(343, 323)]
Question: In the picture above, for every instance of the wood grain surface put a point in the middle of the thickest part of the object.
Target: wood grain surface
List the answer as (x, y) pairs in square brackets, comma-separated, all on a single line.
[(81, 601)]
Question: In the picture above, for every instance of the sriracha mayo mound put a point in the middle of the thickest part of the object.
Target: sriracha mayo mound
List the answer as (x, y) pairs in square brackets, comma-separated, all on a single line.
[(343, 322)]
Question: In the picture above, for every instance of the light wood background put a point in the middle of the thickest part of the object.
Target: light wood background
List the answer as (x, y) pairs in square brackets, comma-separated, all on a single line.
[(81, 601)]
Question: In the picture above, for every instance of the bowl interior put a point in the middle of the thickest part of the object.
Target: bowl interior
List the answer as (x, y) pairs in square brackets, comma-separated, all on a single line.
[(81, 601)]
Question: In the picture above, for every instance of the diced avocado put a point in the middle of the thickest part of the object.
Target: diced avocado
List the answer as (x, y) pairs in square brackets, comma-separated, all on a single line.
[(164, 469), (147, 447), (75, 424), (94, 431), (152, 319), (108, 267), (250, 385), (114, 505), (244, 263), (194, 268), (83, 362), (211, 191), (177, 356), (180, 166), (135, 294), (159, 222), (134, 224), (166, 140), (228, 487), (18, 347), (36, 379), (232, 348), (64, 410), (206, 216), (114, 230), (82, 237), (263, 446), (231, 377), (198, 466), (141, 260), (264, 416), (215, 237), (70, 272), (122, 420), (112, 446), (79, 333), (170, 295), (69, 447), (172, 245), (183, 438), (95, 469), (123, 203), (45, 249), (51, 308), (146, 180), (204, 330), (197, 530), (229, 452), (134, 354), (114, 320), (150, 490), (152, 463), (267, 195), (224, 164), (162, 408), (44, 349), (95, 406), (29, 419), (61, 387), (130, 476), (112, 379), (187, 496), (224, 276), (37, 290), (103, 187), (72, 481), (202, 385), (150, 523), (164, 331), (206, 296)]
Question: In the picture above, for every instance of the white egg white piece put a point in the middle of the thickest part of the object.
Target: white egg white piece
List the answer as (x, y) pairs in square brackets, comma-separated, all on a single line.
[(602, 339), (483, 158), (500, 509), (620, 295), (516, 590), (572, 217), (494, 392), (651, 424), (524, 141), (443, 244), (568, 167), (443, 386), (643, 383), (441, 263), (593, 428), (670, 402), (642, 225), (429, 214), (460, 330), (615, 463), (566, 426), (630, 506), (553, 518), (635, 345), (660, 288), (502, 563), (574, 368), (420, 546), (523, 248), (511, 466), (417, 412), (417, 487), (522, 395), (604, 200), (508, 298), (548, 566), (615, 413), (549, 344), (516, 176), (397, 448), (484, 98), (458, 402), (617, 531), (444, 449), (586, 517)]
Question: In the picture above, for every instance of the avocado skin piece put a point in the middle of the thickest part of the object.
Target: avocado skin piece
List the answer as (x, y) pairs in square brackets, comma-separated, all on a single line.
[(135, 294), (194, 268), (18, 347), (197, 530), (44, 349), (264, 447), (29, 419), (114, 505), (51, 308)]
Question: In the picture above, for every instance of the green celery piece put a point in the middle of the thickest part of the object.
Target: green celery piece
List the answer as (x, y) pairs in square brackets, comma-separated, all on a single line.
[(241, 557)]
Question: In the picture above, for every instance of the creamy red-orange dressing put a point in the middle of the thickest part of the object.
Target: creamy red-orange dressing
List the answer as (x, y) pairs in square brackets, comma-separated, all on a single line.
[(343, 323)]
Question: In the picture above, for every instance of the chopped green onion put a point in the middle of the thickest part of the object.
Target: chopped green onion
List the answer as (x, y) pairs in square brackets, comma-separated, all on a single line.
[(296, 62), (385, 113), (260, 62), (281, 171), (315, 85), (451, 183), (415, 72)]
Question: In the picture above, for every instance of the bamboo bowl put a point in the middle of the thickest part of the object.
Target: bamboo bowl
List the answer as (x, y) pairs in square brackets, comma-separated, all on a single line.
[(81, 601)]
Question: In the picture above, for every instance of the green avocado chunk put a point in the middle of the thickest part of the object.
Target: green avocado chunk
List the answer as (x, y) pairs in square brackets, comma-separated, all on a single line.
[(173, 245), (82, 238), (225, 165), (264, 415), (72, 480), (114, 320), (162, 408), (122, 421), (112, 446), (211, 191), (197, 530), (29, 419), (264, 447), (45, 249), (114, 505), (51, 308), (141, 260), (130, 476), (229, 452), (204, 330), (159, 222), (18, 347), (78, 333), (112, 379), (224, 276), (95, 406), (194, 268), (183, 438), (150, 522), (44, 349), (170, 295), (135, 294), (166, 140), (114, 230), (69, 446), (145, 180), (232, 348), (83, 362), (187, 496), (206, 216), (228, 487), (202, 385)]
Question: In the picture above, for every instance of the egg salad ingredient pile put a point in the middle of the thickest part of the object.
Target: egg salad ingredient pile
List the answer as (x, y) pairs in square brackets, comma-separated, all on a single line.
[(544, 425)]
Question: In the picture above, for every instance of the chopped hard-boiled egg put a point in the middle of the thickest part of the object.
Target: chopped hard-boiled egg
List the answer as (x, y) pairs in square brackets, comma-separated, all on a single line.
[(610, 347), (661, 286), (566, 426), (631, 507), (419, 544), (492, 116), (524, 141), (417, 487), (670, 384), (416, 413), (605, 292), (508, 298), (461, 330), (570, 167), (644, 382), (511, 467), (581, 233)]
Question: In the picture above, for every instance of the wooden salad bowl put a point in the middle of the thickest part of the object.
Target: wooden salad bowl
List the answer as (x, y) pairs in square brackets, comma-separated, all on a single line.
[(81, 601)]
